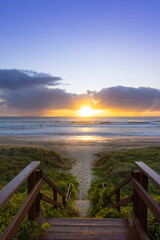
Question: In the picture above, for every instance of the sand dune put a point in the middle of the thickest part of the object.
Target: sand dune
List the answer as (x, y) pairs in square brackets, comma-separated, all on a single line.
[(84, 153)]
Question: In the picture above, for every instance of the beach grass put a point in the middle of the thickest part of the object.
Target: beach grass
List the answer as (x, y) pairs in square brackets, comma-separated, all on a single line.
[(15, 159), (111, 168)]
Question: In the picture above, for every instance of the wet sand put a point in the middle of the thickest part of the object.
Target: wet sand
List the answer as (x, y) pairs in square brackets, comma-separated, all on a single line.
[(84, 152)]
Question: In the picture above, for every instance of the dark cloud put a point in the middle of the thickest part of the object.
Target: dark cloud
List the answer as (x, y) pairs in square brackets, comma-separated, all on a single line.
[(14, 79), (128, 98), (28, 91), (39, 98)]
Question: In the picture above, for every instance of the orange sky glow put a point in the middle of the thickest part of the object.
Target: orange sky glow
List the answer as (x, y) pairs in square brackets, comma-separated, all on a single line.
[(99, 113)]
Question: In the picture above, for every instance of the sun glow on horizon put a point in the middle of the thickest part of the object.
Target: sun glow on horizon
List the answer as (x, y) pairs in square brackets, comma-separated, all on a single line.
[(86, 111)]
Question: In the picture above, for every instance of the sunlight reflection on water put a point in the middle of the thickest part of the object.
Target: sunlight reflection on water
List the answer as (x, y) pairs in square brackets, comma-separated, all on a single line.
[(85, 129), (88, 138)]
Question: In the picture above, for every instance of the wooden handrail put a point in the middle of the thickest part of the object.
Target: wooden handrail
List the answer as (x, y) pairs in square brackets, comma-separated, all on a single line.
[(48, 180), (49, 200), (31, 205), (120, 185), (123, 202), (138, 226), (7, 192), (20, 215), (150, 173), (148, 200), (140, 198)]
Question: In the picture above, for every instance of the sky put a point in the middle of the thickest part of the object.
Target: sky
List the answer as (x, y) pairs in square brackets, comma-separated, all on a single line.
[(58, 55)]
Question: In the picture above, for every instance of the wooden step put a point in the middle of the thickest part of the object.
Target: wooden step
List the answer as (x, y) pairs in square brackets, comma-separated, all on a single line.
[(88, 229)]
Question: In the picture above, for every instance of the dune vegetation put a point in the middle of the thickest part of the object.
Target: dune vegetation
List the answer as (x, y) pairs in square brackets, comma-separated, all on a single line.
[(15, 159), (111, 168)]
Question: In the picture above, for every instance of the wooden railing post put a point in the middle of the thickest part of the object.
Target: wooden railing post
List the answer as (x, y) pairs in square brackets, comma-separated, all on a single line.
[(143, 207), (64, 201), (31, 184), (38, 176), (55, 196), (136, 198), (118, 198)]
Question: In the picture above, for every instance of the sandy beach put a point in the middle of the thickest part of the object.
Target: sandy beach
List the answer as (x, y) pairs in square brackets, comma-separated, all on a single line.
[(84, 153)]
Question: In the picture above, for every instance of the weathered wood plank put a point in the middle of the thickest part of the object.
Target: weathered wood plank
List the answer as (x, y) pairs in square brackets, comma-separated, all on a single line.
[(84, 229), (148, 200), (39, 217), (123, 202), (68, 192), (119, 186), (87, 236), (31, 184), (138, 226), (118, 199), (92, 229), (38, 176), (89, 221), (7, 192), (49, 200), (55, 197), (143, 207), (52, 184), (136, 198)]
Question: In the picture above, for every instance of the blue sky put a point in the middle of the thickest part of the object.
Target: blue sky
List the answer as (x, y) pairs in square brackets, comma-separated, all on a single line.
[(90, 44), (58, 55)]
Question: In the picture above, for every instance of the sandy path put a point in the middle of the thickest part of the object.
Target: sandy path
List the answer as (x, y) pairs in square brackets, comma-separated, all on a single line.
[(82, 170), (83, 173)]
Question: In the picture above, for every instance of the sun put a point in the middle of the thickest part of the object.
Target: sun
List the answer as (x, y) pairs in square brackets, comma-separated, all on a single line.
[(86, 111)]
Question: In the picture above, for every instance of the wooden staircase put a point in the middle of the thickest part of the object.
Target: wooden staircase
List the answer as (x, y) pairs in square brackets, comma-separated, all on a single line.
[(88, 229), (109, 229)]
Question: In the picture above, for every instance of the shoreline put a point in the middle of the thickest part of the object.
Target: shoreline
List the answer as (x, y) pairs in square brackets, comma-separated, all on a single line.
[(52, 142)]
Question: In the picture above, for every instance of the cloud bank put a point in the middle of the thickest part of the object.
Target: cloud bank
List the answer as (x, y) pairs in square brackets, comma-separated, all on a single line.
[(16, 79), (128, 98), (27, 92)]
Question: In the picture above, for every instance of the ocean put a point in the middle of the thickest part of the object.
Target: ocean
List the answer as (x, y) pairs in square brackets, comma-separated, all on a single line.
[(82, 129)]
